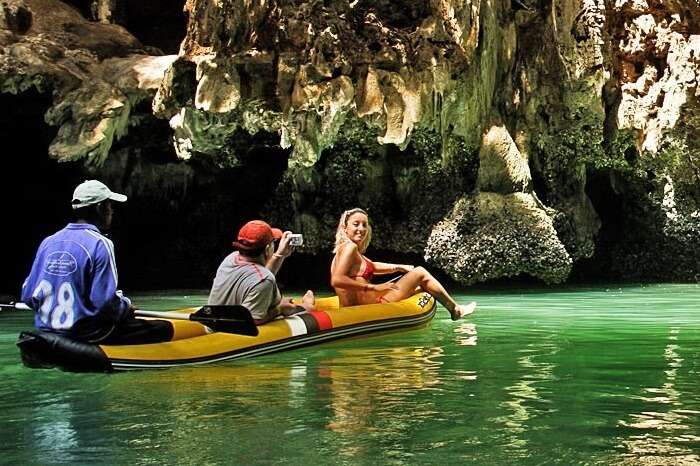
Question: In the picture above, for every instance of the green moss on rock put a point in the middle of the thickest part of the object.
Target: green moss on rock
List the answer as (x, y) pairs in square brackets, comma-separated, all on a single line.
[(405, 192), (493, 235)]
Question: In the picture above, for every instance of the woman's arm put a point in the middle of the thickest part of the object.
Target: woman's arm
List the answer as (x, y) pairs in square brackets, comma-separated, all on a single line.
[(381, 268)]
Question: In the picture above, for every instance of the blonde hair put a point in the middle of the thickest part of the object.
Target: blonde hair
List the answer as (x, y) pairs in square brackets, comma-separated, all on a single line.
[(341, 237)]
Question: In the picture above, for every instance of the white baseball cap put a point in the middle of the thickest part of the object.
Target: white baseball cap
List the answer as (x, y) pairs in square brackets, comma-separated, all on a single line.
[(93, 192)]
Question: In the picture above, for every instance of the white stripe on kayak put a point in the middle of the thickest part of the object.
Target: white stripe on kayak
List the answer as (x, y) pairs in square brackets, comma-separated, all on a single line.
[(296, 325)]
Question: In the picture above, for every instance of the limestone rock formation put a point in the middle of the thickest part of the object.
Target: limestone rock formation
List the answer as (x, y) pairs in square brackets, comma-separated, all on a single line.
[(504, 230), (303, 68), (502, 168), (97, 73), (659, 59), (491, 236), (652, 124), (495, 138)]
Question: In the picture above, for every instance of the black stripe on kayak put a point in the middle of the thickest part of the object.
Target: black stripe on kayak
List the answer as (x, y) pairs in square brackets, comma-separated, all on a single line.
[(310, 322), (293, 342)]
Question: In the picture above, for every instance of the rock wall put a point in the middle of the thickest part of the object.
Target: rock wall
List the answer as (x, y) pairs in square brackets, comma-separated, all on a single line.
[(651, 138), (494, 139), (407, 108)]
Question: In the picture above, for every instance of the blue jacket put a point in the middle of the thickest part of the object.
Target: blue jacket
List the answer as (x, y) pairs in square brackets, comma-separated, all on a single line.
[(73, 282)]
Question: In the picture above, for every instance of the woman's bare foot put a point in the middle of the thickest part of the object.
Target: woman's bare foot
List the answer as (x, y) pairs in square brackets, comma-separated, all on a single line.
[(309, 298), (460, 311)]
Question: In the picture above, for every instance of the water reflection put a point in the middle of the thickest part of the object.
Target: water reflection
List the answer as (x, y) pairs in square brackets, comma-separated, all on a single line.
[(528, 392), (357, 379), (54, 437), (664, 438), (466, 334), (60, 428), (359, 395)]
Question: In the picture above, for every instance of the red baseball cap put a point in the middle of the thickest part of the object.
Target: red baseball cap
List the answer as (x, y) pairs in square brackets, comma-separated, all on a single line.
[(256, 234)]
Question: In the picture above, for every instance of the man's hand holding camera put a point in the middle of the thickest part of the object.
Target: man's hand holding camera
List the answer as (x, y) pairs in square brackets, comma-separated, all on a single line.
[(285, 248), (287, 243)]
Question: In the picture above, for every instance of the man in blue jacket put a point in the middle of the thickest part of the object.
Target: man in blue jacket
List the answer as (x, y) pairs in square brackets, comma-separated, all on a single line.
[(72, 285)]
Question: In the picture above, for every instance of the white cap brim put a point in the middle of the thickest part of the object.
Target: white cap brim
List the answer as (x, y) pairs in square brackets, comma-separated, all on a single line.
[(117, 197)]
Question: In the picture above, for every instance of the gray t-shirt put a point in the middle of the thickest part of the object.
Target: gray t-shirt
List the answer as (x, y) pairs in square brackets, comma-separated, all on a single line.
[(250, 284)]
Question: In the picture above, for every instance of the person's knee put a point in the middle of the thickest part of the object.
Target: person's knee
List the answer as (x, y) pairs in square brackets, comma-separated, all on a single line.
[(420, 270)]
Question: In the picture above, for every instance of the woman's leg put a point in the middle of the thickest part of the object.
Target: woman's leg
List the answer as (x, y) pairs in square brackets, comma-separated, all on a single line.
[(421, 278)]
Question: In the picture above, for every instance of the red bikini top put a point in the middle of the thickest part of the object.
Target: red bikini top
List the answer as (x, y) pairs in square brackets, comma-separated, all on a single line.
[(368, 272)]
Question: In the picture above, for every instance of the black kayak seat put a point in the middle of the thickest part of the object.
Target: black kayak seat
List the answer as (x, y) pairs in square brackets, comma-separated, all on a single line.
[(45, 350)]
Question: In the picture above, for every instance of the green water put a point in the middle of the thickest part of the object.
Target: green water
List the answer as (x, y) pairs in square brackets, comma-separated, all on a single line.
[(560, 376)]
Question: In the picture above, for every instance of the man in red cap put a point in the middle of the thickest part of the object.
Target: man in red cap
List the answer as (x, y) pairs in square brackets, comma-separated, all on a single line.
[(247, 277)]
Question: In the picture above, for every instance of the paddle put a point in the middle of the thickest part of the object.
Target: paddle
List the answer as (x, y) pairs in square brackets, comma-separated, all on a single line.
[(225, 319), (18, 306)]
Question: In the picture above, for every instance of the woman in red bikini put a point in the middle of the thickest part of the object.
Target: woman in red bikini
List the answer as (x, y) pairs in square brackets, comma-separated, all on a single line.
[(352, 272)]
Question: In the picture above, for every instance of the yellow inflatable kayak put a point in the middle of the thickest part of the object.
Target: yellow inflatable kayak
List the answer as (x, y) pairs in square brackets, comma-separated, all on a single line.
[(193, 343)]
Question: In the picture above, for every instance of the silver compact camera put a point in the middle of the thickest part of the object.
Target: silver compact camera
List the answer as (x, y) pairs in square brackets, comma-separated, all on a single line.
[(296, 239)]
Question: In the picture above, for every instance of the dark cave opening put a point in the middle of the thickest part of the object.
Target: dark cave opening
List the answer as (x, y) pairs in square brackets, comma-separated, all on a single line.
[(158, 24), (179, 244), (35, 190), (610, 206), (400, 14), (178, 222)]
